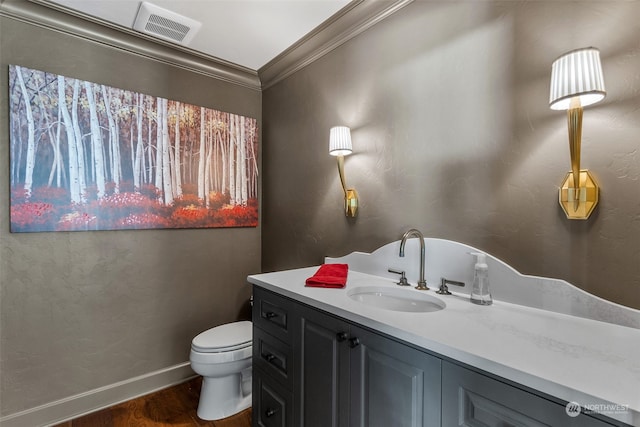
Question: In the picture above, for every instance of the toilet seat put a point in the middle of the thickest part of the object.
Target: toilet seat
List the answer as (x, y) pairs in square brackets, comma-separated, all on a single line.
[(230, 337)]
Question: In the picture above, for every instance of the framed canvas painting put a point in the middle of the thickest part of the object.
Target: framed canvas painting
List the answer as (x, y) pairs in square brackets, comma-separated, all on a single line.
[(86, 156)]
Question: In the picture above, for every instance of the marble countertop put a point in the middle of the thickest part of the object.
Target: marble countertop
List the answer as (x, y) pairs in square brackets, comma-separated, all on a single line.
[(594, 363)]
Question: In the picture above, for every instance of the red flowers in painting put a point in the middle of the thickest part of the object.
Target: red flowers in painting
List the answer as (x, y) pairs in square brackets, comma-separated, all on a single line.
[(125, 211), (31, 215)]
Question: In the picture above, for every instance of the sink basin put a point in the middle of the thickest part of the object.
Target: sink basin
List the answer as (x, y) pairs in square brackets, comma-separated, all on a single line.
[(396, 299)]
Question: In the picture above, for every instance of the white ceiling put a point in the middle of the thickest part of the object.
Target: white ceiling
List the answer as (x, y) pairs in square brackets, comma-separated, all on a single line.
[(249, 33)]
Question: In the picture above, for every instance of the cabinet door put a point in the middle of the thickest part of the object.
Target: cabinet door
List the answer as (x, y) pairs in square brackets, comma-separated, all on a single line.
[(322, 387), (471, 399), (392, 384)]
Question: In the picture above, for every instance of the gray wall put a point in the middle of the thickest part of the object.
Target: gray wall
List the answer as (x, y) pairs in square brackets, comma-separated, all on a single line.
[(452, 134), (88, 309)]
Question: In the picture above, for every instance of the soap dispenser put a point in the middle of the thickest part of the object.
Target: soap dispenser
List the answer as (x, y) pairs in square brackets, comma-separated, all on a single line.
[(480, 291)]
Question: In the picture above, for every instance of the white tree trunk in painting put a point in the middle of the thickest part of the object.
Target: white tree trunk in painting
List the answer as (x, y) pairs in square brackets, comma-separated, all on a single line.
[(254, 162), (176, 157), (231, 166), (149, 150), (166, 161), (74, 179), (82, 170), (207, 167), (114, 140), (215, 152), (238, 163), (158, 180), (132, 147), (208, 147), (143, 166), (59, 166), (31, 143), (137, 157), (243, 162), (96, 141), (223, 156), (201, 158), (52, 139), (14, 150)]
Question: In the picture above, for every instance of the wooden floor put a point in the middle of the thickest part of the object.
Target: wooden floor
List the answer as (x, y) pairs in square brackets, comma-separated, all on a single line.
[(171, 407)]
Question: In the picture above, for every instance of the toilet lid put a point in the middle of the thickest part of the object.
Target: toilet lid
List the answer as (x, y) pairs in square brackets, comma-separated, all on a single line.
[(228, 337)]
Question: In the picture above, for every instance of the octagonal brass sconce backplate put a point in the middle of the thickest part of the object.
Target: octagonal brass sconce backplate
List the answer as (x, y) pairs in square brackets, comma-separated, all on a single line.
[(579, 203)]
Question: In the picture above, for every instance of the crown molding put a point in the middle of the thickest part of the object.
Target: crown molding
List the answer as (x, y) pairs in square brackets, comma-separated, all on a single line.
[(54, 17), (353, 19), (350, 21)]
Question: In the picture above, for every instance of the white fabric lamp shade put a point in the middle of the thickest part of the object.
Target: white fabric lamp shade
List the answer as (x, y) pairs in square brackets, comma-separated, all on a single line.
[(340, 141), (576, 74)]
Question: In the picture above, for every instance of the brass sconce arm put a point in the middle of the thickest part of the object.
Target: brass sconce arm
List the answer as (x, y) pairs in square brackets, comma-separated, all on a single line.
[(350, 194), (574, 121), (579, 192)]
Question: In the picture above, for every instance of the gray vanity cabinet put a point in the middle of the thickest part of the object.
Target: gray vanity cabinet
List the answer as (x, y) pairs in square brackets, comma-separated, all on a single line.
[(471, 399), (313, 369)]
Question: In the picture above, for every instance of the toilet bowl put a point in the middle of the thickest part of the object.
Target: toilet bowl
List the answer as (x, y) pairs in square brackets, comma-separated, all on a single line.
[(222, 355)]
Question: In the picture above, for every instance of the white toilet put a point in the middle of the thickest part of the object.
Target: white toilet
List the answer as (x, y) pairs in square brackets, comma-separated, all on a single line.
[(222, 355)]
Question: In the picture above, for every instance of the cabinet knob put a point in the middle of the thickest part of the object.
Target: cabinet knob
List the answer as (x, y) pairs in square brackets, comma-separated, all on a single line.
[(270, 412), (354, 342), (341, 336), (270, 315)]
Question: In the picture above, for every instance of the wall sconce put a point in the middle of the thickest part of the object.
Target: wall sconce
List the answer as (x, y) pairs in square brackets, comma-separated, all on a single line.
[(340, 146), (576, 81)]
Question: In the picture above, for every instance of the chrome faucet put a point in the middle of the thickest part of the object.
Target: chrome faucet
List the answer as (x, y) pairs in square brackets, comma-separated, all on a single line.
[(422, 284)]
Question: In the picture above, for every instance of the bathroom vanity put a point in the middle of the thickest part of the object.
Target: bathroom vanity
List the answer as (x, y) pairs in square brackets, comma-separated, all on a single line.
[(323, 357)]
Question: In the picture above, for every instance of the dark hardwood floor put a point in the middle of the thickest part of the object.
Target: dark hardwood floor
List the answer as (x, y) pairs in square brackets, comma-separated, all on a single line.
[(172, 407)]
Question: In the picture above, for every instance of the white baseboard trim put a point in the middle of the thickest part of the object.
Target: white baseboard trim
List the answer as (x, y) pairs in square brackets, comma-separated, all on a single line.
[(103, 397)]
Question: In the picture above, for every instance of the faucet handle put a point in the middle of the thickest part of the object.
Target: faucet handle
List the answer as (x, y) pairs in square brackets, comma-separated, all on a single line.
[(403, 278), (444, 289)]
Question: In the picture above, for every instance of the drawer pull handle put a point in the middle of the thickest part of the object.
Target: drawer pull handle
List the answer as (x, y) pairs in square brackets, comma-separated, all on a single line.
[(270, 315), (270, 412), (341, 336), (268, 357), (354, 342)]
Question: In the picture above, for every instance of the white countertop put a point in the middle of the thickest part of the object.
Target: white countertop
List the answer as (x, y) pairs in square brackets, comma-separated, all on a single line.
[(579, 360)]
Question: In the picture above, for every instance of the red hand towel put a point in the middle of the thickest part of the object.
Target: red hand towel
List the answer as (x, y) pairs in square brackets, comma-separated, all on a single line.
[(329, 276)]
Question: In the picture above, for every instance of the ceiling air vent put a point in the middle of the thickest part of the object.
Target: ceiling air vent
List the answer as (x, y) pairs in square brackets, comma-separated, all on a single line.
[(163, 23)]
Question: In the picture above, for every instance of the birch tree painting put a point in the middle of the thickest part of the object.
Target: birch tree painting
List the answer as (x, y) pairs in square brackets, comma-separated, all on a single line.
[(86, 156)]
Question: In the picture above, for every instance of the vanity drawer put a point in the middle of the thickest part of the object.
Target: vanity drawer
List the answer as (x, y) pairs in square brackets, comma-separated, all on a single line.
[(272, 403), (273, 356), (272, 313)]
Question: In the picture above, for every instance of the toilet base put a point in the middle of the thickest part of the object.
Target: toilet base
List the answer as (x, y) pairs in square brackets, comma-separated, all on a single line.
[(223, 397)]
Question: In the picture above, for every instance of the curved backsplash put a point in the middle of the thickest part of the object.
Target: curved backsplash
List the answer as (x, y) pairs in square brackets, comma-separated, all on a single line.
[(452, 260)]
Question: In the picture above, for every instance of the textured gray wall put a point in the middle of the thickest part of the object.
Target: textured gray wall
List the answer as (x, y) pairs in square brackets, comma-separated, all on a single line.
[(88, 309), (452, 134)]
